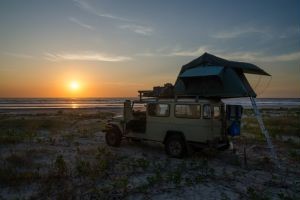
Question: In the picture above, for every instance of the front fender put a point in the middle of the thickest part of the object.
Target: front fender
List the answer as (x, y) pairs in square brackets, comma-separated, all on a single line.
[(110, 126)]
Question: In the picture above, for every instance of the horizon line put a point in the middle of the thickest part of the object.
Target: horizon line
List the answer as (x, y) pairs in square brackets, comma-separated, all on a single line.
[(130, 97)]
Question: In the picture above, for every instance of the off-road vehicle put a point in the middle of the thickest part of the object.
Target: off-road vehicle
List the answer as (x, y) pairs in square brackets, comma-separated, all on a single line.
[(179, 123)]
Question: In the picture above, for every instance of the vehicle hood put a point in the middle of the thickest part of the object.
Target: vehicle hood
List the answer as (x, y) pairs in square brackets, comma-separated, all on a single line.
[(118, 118)]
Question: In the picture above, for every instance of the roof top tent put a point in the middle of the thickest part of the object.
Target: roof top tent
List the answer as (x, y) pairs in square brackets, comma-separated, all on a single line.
[(212, 77)]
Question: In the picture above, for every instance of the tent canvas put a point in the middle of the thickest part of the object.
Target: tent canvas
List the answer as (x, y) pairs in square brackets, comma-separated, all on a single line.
[(211, 76), (210, 60), (203, 71)]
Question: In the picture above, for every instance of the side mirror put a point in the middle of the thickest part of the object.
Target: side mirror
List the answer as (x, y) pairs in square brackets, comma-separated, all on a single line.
[(127, 111)]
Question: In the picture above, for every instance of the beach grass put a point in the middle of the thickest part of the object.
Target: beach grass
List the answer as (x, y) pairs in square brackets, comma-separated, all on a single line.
[(64, 156)]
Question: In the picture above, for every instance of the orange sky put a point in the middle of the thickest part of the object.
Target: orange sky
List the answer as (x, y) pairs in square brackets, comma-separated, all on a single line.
[(112, 50), (35, 78)]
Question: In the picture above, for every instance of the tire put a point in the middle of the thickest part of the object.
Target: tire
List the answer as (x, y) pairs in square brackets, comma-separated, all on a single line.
[(175, 146), (113, 137), (137, 140), (225, 147)]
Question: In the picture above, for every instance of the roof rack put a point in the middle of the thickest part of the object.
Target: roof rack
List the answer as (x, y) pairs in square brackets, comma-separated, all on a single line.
[(148, 95)]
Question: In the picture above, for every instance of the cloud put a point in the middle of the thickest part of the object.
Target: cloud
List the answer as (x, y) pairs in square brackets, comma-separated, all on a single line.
[(292, 31), (237, 32), (84, 5), (261, 57), (288, 57), (175, 51), (136, 28), (147, 54), (143, 30), (87, 56), (76, 21), (19, 55), (196, 52), (247, 56), (123, 84)]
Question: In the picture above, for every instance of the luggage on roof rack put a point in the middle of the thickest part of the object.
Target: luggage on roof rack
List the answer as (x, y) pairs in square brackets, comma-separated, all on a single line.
[(166, 91)]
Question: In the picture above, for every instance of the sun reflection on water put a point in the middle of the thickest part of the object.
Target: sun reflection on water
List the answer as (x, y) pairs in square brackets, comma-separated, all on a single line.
[(74, 105)]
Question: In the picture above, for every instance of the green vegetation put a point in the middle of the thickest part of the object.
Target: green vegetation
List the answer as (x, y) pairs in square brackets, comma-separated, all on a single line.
[(83, 168), (31, 123), (253, 194), (19, 160), (60, 167), (11, 176), (278, 122), (294, 155), (11, 136)]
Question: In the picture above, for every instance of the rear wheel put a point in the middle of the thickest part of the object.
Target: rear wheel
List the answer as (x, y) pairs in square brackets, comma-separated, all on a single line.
[(113, 137), (175, 146), (224, 146)]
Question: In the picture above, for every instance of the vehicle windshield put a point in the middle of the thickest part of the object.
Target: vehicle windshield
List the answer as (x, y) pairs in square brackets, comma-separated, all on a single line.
[(139, 107)]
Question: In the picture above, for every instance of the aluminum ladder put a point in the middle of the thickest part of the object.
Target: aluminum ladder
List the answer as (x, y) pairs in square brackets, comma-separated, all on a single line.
[(264, 131)]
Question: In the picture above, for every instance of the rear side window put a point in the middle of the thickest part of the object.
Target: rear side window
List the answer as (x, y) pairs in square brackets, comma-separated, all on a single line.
[(217, 112), (158, 110), (187, 111), (206, 111)]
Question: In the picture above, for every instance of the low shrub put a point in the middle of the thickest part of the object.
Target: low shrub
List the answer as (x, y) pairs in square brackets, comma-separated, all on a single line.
[(60, 167)]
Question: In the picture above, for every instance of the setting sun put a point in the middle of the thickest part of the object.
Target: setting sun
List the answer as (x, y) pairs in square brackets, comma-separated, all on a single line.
[(74, 85)]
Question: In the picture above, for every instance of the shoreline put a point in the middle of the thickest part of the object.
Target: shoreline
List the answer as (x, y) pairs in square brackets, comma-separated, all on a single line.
[(114, 109), (32, 111)]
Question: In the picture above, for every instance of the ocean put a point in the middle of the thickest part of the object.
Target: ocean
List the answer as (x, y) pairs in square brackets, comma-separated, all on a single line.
[(57, 103)]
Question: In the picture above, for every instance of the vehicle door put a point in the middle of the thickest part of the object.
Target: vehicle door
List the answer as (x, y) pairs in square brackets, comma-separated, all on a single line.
[(158, 120), (216, 120), (207, 119)]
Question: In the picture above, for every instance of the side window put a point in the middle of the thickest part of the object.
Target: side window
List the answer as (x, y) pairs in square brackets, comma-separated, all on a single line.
[(206, 111), (217, 112), (158, 110), (139, 107), (187, 111)]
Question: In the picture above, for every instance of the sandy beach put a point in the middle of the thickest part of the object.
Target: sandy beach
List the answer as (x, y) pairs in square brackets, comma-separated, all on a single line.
[(61, 154)]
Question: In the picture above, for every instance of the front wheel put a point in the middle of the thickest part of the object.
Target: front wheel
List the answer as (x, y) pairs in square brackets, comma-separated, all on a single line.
[(175, 146), (113, 137)]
